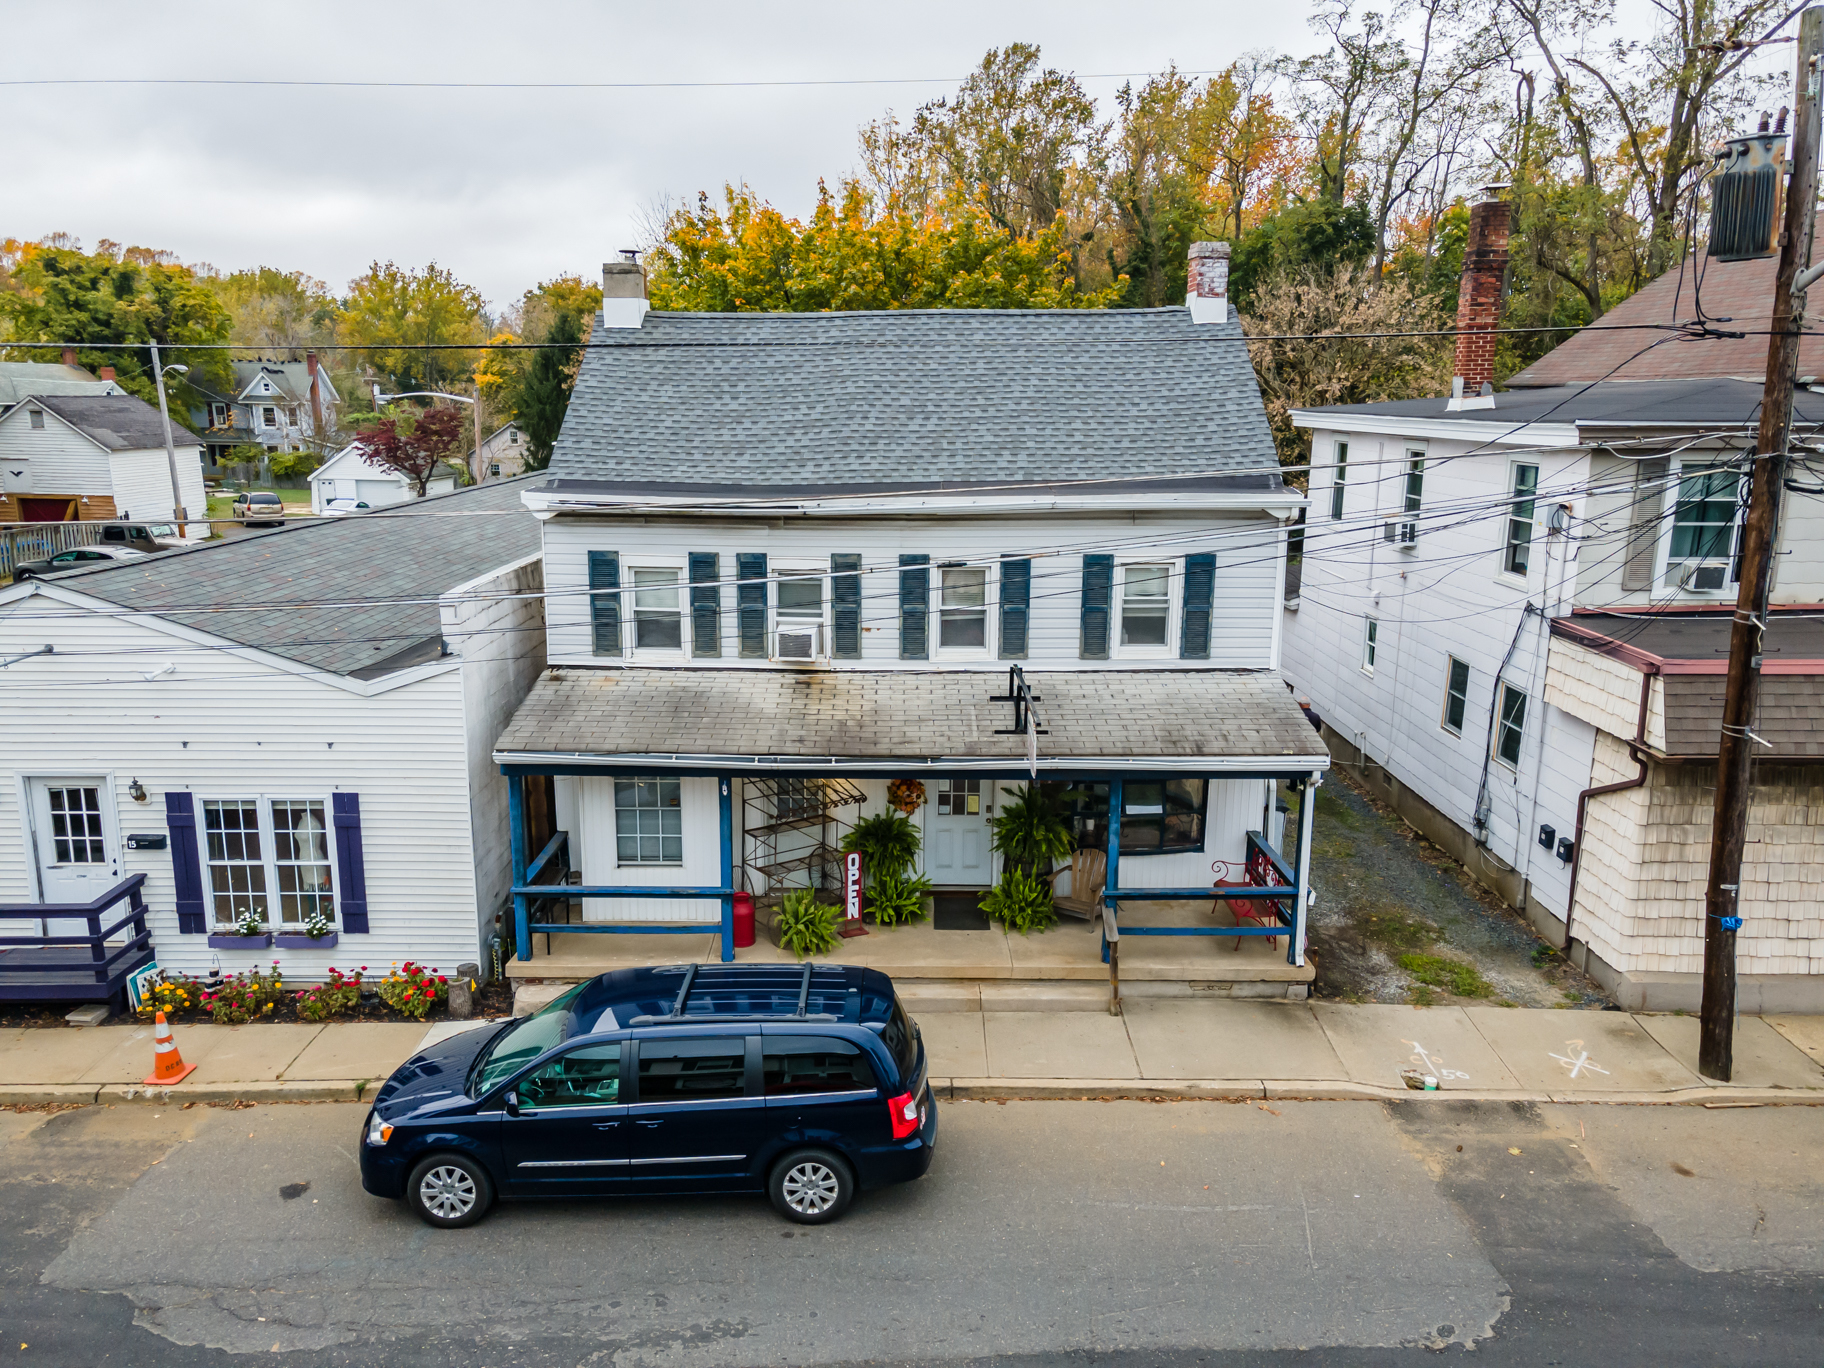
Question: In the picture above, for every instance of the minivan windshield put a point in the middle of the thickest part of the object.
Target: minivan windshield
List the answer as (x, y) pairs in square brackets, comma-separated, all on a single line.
[(524, 1041)]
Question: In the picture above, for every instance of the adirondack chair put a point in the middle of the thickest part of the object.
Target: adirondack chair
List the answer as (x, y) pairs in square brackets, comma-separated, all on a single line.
[(1088, 871)]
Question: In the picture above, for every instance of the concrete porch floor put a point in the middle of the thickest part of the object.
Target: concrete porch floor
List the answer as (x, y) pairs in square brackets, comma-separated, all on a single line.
[(1069, 952)]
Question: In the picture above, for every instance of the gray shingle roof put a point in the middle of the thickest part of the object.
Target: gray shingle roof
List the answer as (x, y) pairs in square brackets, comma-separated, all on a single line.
[(365, 564), (864, 716), (120, 422), (951, 394)]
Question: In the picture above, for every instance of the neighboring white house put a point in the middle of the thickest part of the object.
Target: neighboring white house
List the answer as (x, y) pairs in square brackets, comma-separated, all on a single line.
[(282, 758), (21, 379), (95, 458), (503, 455), (795, 559), (276, 405), (1511, 614), (349, 474)]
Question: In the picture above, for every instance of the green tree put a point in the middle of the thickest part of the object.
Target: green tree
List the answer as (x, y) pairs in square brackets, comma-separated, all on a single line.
[(99, 299), (546, 395), (281, 314), (390, 310)]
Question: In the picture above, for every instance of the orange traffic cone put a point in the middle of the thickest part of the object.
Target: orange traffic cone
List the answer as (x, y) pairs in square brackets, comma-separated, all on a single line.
[(168, 1065)]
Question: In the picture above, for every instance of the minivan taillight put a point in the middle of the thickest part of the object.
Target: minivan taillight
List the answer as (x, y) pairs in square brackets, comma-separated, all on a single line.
[(903, 1111)]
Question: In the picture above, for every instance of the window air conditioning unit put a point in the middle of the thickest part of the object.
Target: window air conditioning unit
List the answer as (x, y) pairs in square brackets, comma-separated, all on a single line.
[(1402, 532), (799, 644), (1705, 579)]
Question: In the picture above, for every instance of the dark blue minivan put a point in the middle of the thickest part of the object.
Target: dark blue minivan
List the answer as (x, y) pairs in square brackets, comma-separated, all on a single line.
[(806, 1082)]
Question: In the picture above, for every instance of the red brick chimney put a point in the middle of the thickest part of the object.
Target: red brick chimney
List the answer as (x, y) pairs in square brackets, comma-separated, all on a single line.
[(1479, 296), (1207, 282), (69, 356), (106, 373), (316, 398)]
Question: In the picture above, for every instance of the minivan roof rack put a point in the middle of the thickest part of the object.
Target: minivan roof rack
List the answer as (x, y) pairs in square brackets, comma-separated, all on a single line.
[(677, 1013)]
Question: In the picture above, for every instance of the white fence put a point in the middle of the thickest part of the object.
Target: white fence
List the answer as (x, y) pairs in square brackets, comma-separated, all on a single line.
[(37, 541)]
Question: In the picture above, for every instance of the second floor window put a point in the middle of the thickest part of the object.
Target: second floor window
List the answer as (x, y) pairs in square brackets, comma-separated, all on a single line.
[(1145, 604), (1518, 551), (1512, 726), (1371, 634), (269, 417), (962, 612), (658, 619), (1415, 480), (218, 415), (1336, 483), (1456, 696), (1703, 520)]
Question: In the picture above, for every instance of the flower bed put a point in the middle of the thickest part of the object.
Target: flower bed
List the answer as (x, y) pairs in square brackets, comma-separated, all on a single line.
[(408, 992)]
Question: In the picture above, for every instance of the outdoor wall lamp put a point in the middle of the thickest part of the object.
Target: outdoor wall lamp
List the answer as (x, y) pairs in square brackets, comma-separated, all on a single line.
[(136, 791)]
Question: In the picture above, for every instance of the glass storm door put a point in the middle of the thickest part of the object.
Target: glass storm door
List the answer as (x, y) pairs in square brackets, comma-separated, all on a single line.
[(957, 832), (77, 857)]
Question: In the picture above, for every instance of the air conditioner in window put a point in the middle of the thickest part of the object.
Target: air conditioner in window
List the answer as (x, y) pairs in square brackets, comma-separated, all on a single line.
[(1708, 578), (1402, 532), (800, 645)]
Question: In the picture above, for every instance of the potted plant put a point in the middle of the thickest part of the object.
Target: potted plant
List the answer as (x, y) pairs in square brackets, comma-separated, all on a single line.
[(1031, 836), (317, 933), (248, 932), (804, 925), (889, 844)]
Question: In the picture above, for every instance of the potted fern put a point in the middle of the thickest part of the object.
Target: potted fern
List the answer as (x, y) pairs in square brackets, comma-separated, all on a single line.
[(889, 844), (1031, 836), (804, 925)]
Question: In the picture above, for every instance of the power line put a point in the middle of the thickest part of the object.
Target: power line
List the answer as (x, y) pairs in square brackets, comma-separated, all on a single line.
[(231, 81)]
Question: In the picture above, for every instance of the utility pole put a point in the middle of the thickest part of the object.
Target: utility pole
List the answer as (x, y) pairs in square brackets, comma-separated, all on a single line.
[(1767, 475), (179, 514)]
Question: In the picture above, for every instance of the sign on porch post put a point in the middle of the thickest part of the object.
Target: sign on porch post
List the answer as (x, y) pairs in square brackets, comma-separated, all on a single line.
[(851, 885)]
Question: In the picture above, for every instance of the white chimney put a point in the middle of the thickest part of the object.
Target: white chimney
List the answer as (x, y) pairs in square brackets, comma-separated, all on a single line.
[(624, 291), (1207, 282)]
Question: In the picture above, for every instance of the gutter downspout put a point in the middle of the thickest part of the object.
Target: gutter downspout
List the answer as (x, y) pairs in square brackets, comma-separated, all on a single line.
[(1647, 676)]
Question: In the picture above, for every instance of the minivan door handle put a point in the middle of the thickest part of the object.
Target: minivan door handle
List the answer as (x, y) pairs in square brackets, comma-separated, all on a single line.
[(606, 1125), (650, 1124)]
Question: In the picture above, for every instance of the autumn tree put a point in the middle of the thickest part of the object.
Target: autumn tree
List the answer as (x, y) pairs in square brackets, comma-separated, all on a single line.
[(277, 313), (390, 312), (416, 446)]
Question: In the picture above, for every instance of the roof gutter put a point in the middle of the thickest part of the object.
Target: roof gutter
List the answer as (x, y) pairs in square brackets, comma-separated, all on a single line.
[(899, 765), (1648, 671)]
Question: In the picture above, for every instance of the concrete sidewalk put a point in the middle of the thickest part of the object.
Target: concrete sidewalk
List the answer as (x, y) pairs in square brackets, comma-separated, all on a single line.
[(1168, 1047)]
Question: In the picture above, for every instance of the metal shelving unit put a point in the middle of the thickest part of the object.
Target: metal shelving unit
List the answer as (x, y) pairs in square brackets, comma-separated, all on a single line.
[(773, 808)]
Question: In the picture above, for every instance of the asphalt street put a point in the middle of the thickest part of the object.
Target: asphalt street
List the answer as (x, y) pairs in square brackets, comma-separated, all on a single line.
[(1046, 1233)]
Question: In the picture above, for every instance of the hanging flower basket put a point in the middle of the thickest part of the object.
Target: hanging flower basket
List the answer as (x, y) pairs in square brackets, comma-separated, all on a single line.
[(907, 795)]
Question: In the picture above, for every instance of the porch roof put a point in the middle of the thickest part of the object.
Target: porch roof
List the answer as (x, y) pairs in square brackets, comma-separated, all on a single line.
[(895, 721)]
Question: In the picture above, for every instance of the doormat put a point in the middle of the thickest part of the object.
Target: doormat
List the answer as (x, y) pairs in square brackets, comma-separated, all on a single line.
[(959, 912)]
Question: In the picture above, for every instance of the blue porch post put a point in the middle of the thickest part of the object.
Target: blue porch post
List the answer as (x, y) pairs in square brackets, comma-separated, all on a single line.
[(725, 799), (1114, 856), (1307, 816), (516, 838)]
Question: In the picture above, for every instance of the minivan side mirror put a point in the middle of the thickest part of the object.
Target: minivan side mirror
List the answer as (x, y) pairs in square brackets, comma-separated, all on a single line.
[(510, 1102)]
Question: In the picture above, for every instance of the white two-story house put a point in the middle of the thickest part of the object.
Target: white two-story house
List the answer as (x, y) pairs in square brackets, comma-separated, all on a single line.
[(275, 405), (1512, 615), (799, 565)]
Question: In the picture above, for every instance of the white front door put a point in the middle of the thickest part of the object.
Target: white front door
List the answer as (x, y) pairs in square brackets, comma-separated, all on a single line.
[(78, 856), (957, 833)]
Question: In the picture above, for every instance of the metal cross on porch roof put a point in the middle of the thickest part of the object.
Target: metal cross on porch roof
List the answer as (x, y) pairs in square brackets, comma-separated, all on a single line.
[(1025, 715)]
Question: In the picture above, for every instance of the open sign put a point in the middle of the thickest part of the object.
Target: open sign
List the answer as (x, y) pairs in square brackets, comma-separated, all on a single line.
[(851, 885)]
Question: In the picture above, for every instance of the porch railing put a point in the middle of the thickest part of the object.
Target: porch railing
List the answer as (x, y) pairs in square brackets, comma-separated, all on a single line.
[(71, 967), (40, 541)]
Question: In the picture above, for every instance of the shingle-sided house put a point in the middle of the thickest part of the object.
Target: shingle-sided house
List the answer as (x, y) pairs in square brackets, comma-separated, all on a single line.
[(95, 458), (798, 560), (291, 722), (275, 405)]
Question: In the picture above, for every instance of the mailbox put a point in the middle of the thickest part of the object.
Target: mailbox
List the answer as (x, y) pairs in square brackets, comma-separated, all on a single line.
[(145, 841)]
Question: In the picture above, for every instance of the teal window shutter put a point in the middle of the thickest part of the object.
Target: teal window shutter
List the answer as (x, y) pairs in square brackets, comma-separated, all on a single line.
[(750, 602), (914, 607), (605, 602), (1016, 605), (705, 603), (1199, 596), (1098, 581), (845, 605)]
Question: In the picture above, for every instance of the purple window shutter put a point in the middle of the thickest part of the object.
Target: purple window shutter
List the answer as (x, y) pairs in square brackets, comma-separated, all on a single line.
[(351, 869), (186, 863)]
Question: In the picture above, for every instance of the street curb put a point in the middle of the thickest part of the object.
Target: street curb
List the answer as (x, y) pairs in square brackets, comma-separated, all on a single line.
[(282, 1091), (1095, 1089), (1333, 1090), (39, 1094)]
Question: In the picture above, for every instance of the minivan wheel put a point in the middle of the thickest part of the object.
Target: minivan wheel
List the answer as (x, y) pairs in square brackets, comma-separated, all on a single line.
[(811, 1187), (449, 1191)]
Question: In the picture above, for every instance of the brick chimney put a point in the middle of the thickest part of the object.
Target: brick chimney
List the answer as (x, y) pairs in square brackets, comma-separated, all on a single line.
[(1479, 302), (69, 356), (105, 373), (624, 291), (316, 396), (1207, 282)]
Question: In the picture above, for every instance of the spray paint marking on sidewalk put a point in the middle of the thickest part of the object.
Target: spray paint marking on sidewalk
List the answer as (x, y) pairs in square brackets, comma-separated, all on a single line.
[(1422, 1057), (1581, 1063)]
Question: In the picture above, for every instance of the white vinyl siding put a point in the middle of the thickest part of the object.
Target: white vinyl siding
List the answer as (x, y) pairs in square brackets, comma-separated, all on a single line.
[(1243, 629), (596, 850)]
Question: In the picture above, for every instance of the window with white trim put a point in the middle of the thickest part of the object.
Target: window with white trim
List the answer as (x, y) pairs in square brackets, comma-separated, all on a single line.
[(1518, 551), (1456, 696), (1146, 604), (962, 608), (1511, 727), (649, 821), (1415, 481), (268, 856), (658, 610), (1705, 514), (1340, 470), (269, 417), (1371, 631)]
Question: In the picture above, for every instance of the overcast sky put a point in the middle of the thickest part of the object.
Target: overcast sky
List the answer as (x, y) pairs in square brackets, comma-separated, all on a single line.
[(504, 187)]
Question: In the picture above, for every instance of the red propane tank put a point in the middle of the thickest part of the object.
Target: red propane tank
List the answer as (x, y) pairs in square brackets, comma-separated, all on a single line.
[(744, 920)]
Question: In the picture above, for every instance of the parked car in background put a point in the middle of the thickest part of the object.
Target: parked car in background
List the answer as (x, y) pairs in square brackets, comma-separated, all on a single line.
[(259, 508), (147, 537), (72, 560), (805, 1082), (341, 508)]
